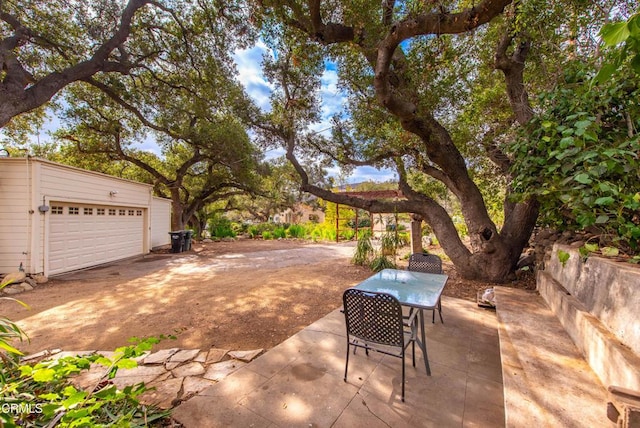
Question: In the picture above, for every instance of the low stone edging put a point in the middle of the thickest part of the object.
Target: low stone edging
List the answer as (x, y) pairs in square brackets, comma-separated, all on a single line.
[(171, 375)]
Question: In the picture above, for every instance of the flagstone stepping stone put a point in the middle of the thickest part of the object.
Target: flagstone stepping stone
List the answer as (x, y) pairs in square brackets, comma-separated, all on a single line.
[(190, 369), (193, 385), (87, 380), (219, 371), (146, 374), (201, 357), (14, 277), (171, 366), (184, 355), (161, 356), (63, 354), (246, 356), (164, 393), (216, 355)]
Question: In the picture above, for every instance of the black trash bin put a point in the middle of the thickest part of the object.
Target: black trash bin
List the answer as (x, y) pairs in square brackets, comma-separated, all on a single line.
[(187, 240), (177, 241)]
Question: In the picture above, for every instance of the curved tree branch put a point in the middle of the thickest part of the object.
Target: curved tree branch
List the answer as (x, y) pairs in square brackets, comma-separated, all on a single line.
[(513, 68), (17, 97)]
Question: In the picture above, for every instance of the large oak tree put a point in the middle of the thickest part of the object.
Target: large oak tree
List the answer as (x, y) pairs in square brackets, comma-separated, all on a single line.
[(436, 89), (186, 100)]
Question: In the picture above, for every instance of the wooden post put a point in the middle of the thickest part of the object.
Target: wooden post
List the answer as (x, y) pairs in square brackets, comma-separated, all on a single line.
[(416, 234), (356, 224), (371, 223), (337, 222)]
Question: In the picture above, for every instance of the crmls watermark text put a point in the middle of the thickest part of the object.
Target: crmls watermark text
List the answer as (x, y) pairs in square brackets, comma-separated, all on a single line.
[(20, 408)]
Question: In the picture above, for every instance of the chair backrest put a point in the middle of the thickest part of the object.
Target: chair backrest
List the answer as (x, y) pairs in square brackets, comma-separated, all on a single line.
[(373, 317), (427, 263)]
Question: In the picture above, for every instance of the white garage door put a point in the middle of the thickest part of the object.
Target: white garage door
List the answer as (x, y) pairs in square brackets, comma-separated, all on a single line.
[(87, 235)]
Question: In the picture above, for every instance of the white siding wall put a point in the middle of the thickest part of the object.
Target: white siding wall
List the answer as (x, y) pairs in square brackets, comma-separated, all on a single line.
[(15, 184), (160, 222), (27, 183), (64, 183)]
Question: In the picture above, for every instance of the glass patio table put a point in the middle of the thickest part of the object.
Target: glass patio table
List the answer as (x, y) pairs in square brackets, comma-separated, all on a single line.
[(416, 290)]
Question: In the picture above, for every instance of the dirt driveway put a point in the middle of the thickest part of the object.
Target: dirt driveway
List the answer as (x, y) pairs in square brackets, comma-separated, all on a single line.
[(233, 295)]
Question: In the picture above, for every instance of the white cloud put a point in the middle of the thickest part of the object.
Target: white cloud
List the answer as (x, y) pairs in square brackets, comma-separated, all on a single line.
[(368, 173), (248, 64), (332, 97)]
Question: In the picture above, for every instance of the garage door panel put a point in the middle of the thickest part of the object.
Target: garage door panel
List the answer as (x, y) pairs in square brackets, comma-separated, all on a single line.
[(80, 237)]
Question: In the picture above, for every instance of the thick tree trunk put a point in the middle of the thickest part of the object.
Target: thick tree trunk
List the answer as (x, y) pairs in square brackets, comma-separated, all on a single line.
[(177, 210), (492, 254)]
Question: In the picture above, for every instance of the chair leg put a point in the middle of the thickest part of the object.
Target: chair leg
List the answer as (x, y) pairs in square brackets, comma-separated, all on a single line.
[(403, 376), (346, 366)]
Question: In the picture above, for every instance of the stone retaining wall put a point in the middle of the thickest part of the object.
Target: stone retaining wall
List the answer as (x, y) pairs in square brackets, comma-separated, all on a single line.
[(597, 302)]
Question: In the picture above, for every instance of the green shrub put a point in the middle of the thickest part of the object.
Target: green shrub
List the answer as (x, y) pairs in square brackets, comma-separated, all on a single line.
[(579, 159), (44, 396), (391, 241), (267, 235), (347, 234), (253, 231), (239, 228), (322, 232), (8, 329), (280, 232), (296, 231), (221, 227), (404, 238)]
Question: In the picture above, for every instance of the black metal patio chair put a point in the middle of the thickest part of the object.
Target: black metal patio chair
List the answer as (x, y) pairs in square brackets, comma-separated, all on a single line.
[(427, 263), (374, 322)]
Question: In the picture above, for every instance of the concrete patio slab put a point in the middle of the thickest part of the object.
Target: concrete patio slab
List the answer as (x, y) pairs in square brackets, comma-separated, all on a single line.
[(299, 383)]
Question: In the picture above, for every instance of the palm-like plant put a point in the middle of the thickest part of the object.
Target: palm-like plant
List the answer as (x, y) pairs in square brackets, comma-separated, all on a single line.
[(8, 329), (364, 249)]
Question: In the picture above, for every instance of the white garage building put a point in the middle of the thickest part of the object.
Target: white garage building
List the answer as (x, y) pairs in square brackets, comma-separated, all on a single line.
[(55, 218)]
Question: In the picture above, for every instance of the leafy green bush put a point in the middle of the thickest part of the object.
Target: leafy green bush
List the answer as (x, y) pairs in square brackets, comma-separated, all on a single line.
[(43, 395), (280, 232), (580, 158), (221, 227), (347, 234), (267, 235), (239, 228), (460, 225), (404, 238), (253, 231), (296, 231), (257, 230), (322, 232)]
